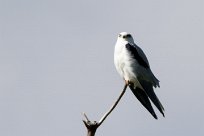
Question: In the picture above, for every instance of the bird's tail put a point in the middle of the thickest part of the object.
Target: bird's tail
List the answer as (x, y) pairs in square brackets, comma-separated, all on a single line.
[(151, 94), (143, 98), (144, 95)]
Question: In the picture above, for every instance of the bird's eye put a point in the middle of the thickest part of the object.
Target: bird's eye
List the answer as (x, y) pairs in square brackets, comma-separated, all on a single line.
[(119, 35), (124, 36)]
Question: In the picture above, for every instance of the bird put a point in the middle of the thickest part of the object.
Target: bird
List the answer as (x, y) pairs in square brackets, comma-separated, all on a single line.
[(132, 65)]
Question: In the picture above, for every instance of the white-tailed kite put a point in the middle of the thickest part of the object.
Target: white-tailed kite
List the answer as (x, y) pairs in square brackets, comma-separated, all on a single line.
[(133, 66)]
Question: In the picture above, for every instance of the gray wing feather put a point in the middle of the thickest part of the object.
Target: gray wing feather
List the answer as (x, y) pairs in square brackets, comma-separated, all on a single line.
[(154, 80), (151, 94), (148, 93), (143, 98)]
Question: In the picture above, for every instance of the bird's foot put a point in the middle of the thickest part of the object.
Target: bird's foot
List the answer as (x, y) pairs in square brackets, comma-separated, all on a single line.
[(127, 82)]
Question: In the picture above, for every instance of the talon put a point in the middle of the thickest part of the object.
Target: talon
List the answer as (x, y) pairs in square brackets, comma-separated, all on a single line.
[(127, 82)]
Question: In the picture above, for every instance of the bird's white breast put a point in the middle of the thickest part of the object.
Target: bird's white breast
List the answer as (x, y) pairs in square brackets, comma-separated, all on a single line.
[(123, 61)]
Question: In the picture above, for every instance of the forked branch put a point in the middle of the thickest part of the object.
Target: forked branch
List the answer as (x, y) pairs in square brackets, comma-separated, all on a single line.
[(92, 126)]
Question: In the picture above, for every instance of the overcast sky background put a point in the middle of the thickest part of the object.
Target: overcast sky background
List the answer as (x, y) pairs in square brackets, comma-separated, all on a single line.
[(56, 61)]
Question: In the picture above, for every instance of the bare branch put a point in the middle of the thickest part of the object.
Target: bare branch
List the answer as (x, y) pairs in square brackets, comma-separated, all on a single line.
[(113, 106), (92, 126)]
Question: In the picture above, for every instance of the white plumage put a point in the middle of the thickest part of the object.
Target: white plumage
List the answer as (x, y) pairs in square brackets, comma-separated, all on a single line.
[(128, 66), (133, 66)]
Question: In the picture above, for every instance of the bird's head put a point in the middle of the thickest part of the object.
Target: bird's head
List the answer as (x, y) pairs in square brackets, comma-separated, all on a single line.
[(124, 36)]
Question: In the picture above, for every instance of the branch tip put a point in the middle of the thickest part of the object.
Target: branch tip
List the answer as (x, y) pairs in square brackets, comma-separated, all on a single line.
[(86, 117)]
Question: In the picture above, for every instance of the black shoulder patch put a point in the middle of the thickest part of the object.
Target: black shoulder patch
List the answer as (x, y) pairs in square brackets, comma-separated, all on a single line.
[(135, 54)]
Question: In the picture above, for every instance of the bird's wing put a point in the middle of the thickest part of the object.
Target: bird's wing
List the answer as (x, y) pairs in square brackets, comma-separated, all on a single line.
[(148, 93), (148, 88), (138, 54), (143, 98)]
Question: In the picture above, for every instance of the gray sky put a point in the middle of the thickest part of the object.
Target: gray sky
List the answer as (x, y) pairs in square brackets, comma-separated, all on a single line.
[(56, 61)]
